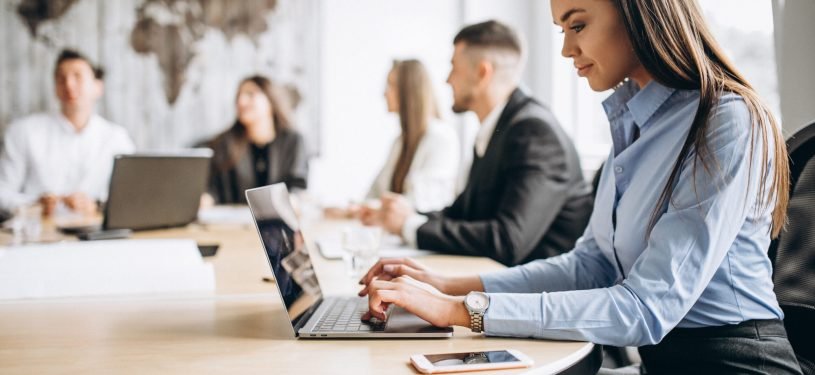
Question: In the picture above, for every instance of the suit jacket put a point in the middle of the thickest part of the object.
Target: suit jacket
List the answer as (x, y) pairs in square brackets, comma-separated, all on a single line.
[(287, 163), (525, 198)]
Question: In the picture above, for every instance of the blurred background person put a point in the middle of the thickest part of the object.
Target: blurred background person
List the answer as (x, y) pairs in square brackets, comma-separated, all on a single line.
[(65, 157), (423, 161), (261, 148), (525, 196)]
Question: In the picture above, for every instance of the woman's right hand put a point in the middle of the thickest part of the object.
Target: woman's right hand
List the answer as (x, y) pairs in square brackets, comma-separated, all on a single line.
[(389, 269), (49, 204), (335, 213), (369, 216)]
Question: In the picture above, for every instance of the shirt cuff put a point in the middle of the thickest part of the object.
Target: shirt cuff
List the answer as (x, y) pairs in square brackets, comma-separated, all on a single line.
[(490, 282), (412, 225), (514, 314)]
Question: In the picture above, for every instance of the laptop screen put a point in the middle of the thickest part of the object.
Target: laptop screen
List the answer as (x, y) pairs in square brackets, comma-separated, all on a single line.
[(169, 197), (279, 230)]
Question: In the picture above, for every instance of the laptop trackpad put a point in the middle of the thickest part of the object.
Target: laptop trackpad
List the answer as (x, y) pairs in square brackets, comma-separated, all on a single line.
[(402, 321)]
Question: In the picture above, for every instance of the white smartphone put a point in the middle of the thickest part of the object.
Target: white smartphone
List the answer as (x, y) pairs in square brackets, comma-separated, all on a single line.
[(470, 361)]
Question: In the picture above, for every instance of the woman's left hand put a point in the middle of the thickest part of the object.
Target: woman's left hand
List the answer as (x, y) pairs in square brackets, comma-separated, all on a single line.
[(419, 298)]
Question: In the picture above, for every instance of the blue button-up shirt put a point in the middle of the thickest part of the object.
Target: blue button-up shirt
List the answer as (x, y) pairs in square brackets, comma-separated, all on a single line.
[(705, 261)]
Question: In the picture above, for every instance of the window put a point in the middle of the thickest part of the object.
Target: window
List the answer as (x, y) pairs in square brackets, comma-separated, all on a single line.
[(746, 37)]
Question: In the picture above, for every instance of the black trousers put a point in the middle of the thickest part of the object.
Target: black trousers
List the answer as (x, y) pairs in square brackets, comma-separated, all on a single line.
[(752, 347)]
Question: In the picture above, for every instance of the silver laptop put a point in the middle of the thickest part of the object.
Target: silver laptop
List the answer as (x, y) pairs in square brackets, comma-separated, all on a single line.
[(312, 315), (152, 190), (156, 190)]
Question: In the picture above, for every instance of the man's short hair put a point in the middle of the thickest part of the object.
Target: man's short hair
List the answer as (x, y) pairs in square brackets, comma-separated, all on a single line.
[(490, 35), (69, 54)]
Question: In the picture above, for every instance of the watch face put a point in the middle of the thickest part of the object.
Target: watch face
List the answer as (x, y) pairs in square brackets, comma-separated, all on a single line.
[(477, 301)]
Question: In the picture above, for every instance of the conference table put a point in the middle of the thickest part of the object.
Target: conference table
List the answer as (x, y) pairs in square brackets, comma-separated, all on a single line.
[(241, 327)]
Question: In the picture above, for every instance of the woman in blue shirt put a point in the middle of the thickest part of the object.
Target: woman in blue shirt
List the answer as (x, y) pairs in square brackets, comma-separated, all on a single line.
[(674, 258)]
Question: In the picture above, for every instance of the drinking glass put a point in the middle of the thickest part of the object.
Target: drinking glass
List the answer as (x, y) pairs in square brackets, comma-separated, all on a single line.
[(361, 248)]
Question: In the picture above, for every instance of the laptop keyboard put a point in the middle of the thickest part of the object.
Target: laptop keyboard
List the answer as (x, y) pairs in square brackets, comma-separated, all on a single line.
[(343, 315)]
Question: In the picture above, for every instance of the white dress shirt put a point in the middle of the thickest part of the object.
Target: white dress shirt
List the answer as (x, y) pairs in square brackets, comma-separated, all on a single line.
[(44, 154), (482, 140), (430, 181)]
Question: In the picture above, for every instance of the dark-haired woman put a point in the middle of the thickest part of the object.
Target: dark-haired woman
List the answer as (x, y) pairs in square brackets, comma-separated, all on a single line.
[(674, 259), (260, 148)]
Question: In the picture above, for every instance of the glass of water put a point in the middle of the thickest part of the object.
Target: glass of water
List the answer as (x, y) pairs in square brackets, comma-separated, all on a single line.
[(26, 226), (361, 248)]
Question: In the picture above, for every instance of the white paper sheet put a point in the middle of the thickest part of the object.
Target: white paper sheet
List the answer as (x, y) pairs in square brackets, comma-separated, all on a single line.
[(115, 267), (226, 215), (331, 248)]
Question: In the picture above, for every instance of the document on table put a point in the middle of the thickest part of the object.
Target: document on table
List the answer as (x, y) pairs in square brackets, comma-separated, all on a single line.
[(225, 215), (331, 248), (117, 267)]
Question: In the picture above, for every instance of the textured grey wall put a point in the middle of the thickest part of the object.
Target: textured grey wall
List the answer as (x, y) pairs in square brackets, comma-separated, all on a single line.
[(172, 67), (794, 32)]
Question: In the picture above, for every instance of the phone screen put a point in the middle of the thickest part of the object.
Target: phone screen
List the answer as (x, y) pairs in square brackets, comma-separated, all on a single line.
[(471, 358)]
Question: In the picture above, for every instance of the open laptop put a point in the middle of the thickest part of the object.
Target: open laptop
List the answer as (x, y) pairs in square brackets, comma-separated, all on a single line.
[(311, 314), (153, 190), (149, 191)]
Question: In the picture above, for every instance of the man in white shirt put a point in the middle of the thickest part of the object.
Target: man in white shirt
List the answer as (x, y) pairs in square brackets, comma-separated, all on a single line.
[(525, 198), (66, 157)]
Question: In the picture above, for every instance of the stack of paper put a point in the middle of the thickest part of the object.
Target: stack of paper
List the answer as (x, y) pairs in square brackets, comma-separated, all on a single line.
[(103, 268)]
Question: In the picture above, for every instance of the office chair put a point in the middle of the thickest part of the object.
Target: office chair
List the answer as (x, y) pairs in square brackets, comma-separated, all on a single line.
[(793, 253)]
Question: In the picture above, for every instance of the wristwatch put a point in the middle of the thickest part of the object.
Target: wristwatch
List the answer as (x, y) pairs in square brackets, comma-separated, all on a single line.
[(477, 304)]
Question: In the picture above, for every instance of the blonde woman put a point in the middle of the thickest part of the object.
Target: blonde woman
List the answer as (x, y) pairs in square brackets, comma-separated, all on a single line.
[(423, 161)]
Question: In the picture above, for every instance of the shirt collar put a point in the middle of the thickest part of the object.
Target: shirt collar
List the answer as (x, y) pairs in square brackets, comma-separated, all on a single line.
[(66, 125), (641, 103), (482, 138)]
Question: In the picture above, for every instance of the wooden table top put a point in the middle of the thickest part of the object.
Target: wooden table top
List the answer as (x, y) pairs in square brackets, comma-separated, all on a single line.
[(240, 328)]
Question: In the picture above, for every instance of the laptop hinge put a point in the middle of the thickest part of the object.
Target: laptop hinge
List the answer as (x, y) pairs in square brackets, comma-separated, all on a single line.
[(301, 320)]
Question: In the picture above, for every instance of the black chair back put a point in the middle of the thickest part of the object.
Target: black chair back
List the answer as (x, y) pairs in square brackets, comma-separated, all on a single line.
[(793, 253)]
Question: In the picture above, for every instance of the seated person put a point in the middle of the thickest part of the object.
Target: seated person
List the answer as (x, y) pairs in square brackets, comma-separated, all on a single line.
[(423, 161), (674, 260), (526, 197), (260, 148), (65, 157)]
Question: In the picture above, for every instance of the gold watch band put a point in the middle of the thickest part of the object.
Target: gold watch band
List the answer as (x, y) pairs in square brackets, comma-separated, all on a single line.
[(477, 322)]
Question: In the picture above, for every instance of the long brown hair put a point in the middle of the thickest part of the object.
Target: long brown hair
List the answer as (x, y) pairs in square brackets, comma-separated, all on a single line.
[(281, 119), (673, 43), (417, 105)]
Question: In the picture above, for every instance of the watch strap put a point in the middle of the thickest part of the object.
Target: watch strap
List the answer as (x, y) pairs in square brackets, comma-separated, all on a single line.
[(477, 322)]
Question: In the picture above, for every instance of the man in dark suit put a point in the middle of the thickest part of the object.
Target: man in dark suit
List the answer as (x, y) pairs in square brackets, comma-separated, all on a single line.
[(526, 197)]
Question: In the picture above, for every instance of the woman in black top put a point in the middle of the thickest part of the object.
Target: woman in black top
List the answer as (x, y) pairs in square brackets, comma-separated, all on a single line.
[(260, 148)]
